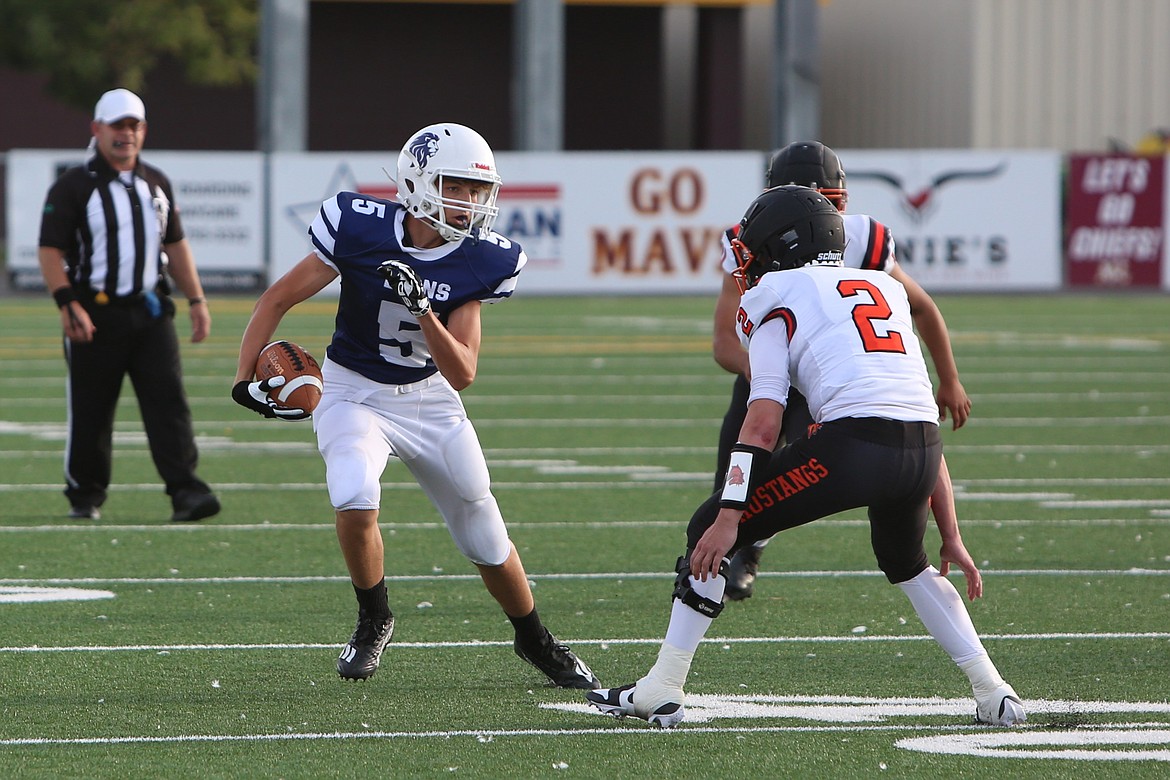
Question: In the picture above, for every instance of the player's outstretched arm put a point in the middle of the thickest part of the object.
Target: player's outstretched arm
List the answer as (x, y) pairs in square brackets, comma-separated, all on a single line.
[(928, 321), (942, 506)]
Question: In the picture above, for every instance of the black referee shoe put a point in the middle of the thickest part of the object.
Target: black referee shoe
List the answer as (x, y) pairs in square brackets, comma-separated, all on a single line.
[(85, 512), (190, 507)]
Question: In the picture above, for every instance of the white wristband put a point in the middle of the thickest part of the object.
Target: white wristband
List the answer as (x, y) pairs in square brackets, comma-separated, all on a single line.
[(745, 464)]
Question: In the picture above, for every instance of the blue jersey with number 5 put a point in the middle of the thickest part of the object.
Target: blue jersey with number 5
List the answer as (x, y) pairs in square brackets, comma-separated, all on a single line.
[(375, 335)]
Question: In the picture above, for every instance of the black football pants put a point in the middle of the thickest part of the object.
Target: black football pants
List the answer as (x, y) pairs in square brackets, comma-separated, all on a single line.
[(890, 467)]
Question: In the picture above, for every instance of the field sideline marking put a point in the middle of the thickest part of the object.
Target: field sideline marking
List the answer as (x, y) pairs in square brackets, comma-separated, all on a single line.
[(657, 733), (966, 739), (1158, 518), (603, 643), (717, 396), (640, 477), (611, 575), (11, 427), (129, 440)]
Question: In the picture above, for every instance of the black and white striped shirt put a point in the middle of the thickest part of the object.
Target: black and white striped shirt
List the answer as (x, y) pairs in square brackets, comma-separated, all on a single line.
[(111, 226)]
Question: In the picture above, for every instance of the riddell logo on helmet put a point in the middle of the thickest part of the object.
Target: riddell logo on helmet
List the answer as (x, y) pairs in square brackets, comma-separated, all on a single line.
[(481, 166)]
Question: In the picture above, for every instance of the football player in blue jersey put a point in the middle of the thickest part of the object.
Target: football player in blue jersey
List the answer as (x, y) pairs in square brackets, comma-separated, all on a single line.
[(414, 276)]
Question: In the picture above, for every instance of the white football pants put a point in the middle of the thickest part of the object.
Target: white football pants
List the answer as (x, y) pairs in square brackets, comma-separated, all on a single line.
[(360, 424)]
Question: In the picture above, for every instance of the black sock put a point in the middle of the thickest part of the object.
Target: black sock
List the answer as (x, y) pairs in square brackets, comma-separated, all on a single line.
[(529, 629), (373, 601)]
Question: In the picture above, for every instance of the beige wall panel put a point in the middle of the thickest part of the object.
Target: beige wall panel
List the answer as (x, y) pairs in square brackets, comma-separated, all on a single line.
[(1070, 74), (896, 73), (1044, 74)]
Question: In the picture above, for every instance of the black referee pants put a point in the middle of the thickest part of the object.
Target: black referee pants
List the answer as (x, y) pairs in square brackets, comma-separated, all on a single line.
[(887, 466), (128, 341)]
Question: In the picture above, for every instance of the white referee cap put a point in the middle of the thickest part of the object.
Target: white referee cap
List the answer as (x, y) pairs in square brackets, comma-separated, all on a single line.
[(119, 104)]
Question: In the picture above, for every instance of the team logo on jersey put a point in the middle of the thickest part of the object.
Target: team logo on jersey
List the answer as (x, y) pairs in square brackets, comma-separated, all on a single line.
[(423, 148)]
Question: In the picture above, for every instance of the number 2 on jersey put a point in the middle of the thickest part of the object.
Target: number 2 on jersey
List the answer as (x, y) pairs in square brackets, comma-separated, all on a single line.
[(866, 314)]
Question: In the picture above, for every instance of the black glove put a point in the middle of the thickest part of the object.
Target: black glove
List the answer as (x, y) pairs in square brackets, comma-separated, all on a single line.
[(407, 287), (254, 396)]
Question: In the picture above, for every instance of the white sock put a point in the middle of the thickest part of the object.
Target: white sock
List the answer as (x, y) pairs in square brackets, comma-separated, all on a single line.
[(665, 680), (941, 610)]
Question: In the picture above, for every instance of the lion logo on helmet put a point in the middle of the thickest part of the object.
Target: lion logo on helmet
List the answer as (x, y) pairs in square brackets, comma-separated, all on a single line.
[(423, 148)]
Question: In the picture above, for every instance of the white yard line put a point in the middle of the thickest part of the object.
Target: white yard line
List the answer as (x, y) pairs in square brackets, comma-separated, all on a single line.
[(603, 643)]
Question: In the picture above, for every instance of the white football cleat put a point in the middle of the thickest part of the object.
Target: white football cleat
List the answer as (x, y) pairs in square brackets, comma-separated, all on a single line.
[(619, 702), (1002, 708)]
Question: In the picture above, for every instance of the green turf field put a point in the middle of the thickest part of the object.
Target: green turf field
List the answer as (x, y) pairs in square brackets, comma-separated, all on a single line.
[(212, 652)]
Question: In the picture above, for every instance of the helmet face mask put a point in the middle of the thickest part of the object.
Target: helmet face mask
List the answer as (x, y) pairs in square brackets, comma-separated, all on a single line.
[(810, 164), (427, 166), (787, 227)]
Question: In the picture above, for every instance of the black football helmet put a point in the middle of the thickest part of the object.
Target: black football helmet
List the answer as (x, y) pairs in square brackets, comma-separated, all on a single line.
[(787, 227), (810, 164)]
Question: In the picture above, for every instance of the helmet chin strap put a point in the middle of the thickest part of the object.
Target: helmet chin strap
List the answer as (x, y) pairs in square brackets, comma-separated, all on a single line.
[(449, 233)]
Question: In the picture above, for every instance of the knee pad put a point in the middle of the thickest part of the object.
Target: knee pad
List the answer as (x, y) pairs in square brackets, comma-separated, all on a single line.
[(351, 480), (478, 530), (684, 589), (354, 455)]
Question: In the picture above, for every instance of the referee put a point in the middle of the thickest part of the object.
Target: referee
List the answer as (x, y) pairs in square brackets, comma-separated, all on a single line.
[(109, 233)]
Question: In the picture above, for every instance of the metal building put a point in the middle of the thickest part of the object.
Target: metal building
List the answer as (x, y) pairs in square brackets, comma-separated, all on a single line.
[(1043, 74)]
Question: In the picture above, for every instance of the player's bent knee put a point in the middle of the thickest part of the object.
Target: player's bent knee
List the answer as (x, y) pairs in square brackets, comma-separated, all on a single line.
[(900, 571), (480, 534)]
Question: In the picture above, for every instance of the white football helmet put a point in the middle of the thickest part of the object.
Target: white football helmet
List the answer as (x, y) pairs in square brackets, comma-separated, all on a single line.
[(453, 151)]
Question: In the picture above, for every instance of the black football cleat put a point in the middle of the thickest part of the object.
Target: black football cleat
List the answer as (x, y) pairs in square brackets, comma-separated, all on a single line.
[(741, 573), (360, 657), (557, 662)]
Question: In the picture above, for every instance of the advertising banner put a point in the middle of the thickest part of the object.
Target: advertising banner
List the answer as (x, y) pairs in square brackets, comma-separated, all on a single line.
[(965, 220), (1114, 220), (605, 223), (220, 196), (639, 223)]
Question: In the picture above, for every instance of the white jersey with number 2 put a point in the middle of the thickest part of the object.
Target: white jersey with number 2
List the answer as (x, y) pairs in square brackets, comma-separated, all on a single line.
[(843, 337)]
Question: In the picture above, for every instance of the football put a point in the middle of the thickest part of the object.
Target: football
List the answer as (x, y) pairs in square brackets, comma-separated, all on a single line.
[(302, 387)]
